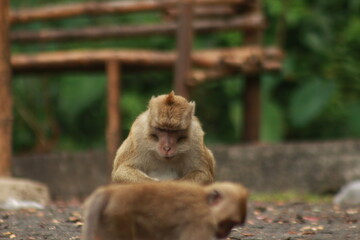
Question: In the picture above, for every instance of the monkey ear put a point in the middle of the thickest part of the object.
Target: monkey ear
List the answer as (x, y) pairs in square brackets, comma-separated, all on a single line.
[(170, 99), (151, 101), (214, 197)]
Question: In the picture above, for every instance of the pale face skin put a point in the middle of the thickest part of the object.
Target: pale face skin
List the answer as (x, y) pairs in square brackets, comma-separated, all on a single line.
[(167, 141)]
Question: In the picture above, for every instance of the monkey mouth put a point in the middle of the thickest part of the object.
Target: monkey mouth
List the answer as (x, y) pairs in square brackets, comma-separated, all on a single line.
[(168, 157)]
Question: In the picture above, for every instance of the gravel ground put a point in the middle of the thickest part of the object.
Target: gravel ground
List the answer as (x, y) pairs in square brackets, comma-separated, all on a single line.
[(283, 221)]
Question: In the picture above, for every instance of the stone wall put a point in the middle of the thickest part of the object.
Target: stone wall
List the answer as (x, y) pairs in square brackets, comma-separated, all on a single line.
[(67, 175), (318, 167)]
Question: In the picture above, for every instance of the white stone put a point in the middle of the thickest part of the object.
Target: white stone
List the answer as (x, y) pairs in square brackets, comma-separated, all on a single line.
[(18, 193), (349, 194)]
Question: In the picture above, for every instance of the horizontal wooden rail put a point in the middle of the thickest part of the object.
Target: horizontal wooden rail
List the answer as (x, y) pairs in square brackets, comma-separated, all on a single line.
[(89, 58), (206, 11), (98, 8), (254, 21)]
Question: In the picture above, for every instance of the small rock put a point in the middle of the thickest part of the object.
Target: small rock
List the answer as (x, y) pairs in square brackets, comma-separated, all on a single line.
[(349, 194), (18, 193)]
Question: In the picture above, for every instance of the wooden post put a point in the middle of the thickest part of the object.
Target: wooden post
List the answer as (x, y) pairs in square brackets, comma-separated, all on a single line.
[(6, 117), (113, 121), (184, 47), (252, 105), (252, 96)]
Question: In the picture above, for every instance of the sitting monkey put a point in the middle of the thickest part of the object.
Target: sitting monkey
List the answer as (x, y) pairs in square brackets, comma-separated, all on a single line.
[(166, 142)]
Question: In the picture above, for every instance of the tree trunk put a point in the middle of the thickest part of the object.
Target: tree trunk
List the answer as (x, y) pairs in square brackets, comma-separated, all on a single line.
[(6, 117), (113, 120), (252, 97), (184, 48)]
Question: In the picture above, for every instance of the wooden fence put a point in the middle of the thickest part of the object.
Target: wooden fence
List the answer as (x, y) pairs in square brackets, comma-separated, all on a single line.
[(185, 18)]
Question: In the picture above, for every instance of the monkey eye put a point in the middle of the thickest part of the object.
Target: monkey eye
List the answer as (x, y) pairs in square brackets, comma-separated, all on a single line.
[(182, 138), (154, 137)]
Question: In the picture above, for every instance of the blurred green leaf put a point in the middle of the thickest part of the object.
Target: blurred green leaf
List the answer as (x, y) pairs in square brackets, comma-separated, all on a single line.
[(233, 85), (77, 92), (272, 122), (296, 12), (315, 41), (236, 117), (131, 106), (268, 84), (352, 30), (353, 120), (309, 100), (274, 7)]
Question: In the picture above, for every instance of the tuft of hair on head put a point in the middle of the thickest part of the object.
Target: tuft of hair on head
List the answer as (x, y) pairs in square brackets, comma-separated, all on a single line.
[(170, 99)]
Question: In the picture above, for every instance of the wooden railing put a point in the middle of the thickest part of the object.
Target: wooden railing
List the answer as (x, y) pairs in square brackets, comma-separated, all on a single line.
[(185, 18)]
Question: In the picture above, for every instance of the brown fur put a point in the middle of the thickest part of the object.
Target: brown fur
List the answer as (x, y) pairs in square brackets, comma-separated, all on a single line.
[(163, 211), (141, 158), (170, 112)]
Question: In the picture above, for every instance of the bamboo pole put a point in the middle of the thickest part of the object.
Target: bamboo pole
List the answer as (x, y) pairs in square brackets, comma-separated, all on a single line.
[(6, 117), (252, 96), (205, 11), (235, 23), (184, 48), (98, 8), (89, 58), (113, 130)]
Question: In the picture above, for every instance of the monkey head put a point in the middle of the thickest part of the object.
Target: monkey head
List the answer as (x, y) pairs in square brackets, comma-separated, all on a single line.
[(228, 204), (169, 122)]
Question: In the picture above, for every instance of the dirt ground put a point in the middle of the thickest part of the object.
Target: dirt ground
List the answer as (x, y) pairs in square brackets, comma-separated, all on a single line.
[(283, 221)]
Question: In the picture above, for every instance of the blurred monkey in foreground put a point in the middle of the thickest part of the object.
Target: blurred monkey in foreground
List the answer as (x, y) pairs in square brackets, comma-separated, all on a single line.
[(164, 211), (166, 142)]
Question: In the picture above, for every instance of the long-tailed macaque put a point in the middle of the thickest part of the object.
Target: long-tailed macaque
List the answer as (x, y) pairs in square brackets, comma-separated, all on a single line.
[(165, 210), (166, 142)]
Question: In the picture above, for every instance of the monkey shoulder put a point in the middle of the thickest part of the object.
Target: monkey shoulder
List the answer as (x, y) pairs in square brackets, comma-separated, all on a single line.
[(129, 147), (139, 123)]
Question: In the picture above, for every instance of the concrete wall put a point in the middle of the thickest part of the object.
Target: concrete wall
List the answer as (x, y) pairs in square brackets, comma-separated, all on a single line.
[(310, 167), (67, 175)]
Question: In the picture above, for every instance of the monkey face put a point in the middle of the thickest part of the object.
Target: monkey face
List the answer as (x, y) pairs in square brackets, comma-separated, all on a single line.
[(168, 141), (228, 203)]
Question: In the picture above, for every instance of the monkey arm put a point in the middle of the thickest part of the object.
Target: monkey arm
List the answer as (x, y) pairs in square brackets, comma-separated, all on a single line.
[(198, 176), (204, 170), (127, 174)]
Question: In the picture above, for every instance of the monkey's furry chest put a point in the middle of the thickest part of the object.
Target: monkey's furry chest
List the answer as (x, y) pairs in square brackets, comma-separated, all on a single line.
[(163, 172)]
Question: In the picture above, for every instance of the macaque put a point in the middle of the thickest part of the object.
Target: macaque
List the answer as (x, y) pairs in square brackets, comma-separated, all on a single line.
[(166, 142), (165, 210)]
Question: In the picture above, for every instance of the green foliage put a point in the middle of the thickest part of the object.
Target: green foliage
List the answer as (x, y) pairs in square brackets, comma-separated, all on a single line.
[(290, 196), (352, 120), (309, 100), (272, 126), (272, 123), (131, 106), (78, 92), (321, 72)]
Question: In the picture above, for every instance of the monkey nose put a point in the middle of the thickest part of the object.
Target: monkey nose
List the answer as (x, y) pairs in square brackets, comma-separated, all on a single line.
[(167, 148)]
